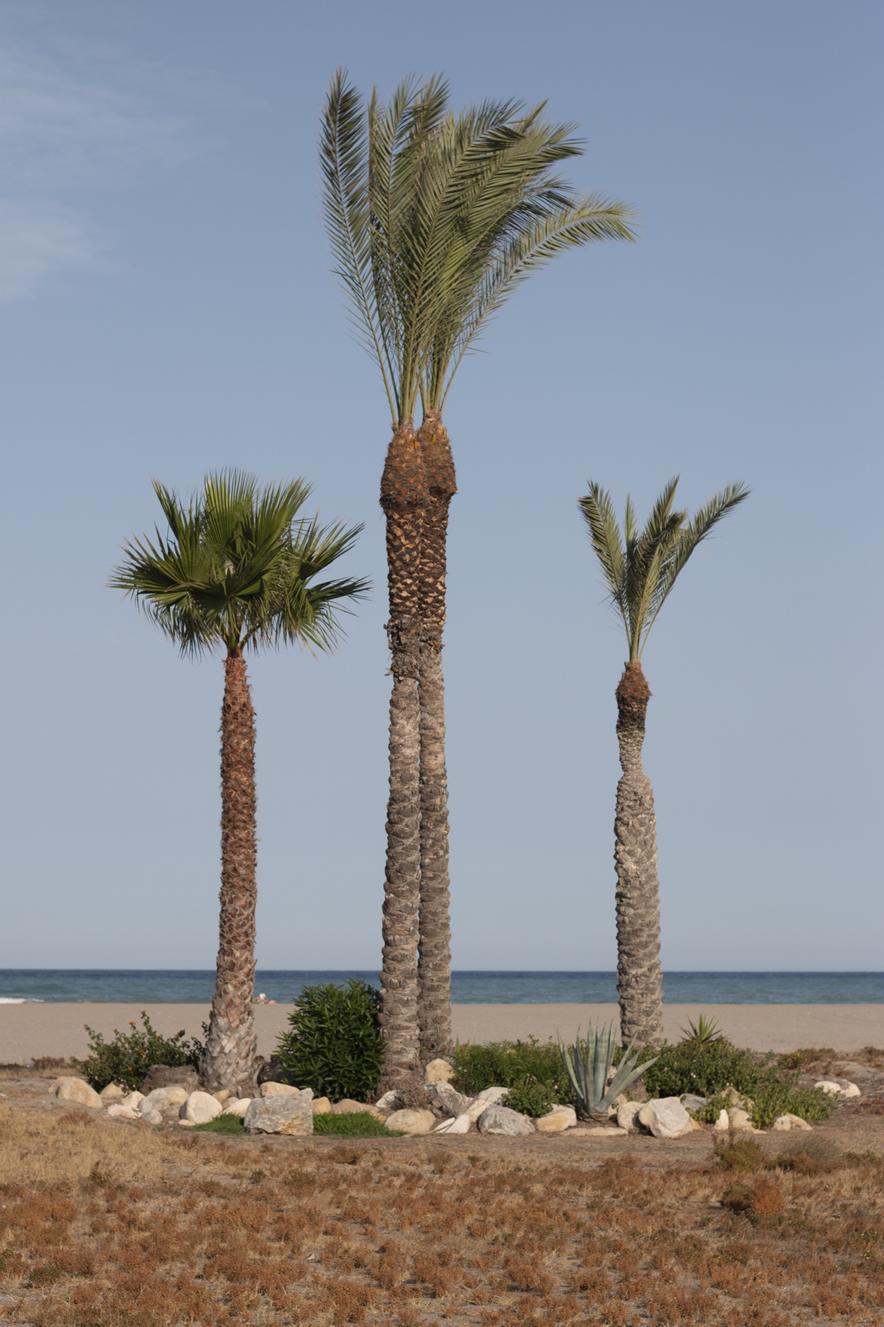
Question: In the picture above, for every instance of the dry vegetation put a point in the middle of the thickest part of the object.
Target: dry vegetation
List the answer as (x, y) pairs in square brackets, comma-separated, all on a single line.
[(105, 1223)]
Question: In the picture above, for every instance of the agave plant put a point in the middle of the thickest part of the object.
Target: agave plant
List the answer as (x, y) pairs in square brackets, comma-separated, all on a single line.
[(589, 1066), (702, 1033)]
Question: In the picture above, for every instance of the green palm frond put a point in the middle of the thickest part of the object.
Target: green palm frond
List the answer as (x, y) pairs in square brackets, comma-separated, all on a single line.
[(435, 218), (236, 568), (640, 567)]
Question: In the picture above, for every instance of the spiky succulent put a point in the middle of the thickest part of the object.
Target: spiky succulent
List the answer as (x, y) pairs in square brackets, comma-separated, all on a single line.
[(589, 1064)]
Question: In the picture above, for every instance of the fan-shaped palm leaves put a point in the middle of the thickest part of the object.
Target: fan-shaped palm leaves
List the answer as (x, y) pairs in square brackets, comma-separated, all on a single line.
[(236, 570), (434, 218), (640, 568)]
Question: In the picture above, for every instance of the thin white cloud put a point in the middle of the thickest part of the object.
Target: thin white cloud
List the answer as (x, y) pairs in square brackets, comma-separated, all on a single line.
[(35, 242)]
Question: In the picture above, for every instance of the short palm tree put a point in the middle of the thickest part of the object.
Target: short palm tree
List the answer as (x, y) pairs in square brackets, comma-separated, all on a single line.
[(235, 571), (640, 568), (434, 219)]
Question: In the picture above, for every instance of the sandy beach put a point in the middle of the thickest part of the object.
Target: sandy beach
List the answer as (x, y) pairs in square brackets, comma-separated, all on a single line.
[(30, 1031)]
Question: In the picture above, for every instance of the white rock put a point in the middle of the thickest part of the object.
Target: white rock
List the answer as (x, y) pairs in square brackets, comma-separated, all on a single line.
[(237, 1106), (722, 1123), (501, 1120), (666, 1117), (322, 1106), (387, 1101), (451, 1101), (199, 1108), (492, 1095), (284, 1090), (795, 1122), (627, 1113), (826, 1085), (350, 1107), (556, 1120), (438, 1071), (151, 1117), (162, 1098), (223, 1096), (133, 1101), (460, 1125), (112, 1092), (120, 1112), (411, 1121), (738, 1119), (281, 1114), (851, 1090), (78, 1090)]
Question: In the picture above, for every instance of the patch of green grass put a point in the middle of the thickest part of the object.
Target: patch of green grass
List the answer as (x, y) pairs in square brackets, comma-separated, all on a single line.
[(513, 1064), (358, 1125), (221, 1124)]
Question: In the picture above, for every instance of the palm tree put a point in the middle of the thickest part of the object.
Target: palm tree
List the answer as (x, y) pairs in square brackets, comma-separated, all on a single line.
[(434, 219), (235, 571), (640, 569)]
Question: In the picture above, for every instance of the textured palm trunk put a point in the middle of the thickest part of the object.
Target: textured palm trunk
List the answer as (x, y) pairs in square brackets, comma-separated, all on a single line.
[(639, 975), (229, 1059), (434, 950), (404, 500)]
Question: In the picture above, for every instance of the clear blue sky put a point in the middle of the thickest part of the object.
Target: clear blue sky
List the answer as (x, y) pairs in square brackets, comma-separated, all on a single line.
[(167, 307)]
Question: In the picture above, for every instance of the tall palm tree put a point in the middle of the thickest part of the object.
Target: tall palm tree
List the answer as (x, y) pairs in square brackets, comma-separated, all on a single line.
[(640, 568), (434, 218), (236, 571)]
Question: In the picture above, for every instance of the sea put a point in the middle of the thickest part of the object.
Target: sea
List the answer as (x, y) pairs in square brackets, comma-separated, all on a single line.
[(180, 986)]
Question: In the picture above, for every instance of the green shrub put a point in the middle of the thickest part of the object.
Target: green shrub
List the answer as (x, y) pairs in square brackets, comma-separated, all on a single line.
[(511, 1064), (360, 1124), (531, 1097), (128, 1057), (221, 1124), (709, 1069), (335, 1044)]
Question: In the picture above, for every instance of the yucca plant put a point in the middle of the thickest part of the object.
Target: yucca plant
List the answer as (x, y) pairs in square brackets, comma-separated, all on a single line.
[(434, 218), (589, 1064), (702, 1033)]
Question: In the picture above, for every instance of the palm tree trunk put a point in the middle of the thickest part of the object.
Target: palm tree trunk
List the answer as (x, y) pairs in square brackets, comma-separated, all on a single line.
[(404, 500), (434, 951), (229, 1059), (639, 975)]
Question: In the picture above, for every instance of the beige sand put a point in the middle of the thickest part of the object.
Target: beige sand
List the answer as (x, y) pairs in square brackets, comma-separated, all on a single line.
[(28, 1031)]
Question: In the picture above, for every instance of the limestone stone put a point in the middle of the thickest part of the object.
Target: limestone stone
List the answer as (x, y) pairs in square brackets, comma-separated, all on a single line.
[(78, 1090), (411, 1121), (162, 1098), (279, 1114), (783, 1123), (449, 1100), (556, 1120), (271, 1088), (120, 1112), (438, 1071), (627, 1113), (237, 1106), (133, 1101), (722, 1123), (113, 1092), (387, 1101), (666, 1117), (501, 1120), (321, 1105), (151, 1117), (492, 1095), (694, 1102), (199, 1108), (455, 1126), (164, 1075), (830, 1088), (738, 1119), (350, 1107), (851, 1090), (223, 1096)]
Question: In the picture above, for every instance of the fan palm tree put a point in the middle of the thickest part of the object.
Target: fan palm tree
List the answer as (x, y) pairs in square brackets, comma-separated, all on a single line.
[(640, 568), (434, 219), (235, 571)]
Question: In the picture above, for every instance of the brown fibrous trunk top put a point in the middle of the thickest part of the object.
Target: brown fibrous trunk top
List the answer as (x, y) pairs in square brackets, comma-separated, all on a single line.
[(633, 694)]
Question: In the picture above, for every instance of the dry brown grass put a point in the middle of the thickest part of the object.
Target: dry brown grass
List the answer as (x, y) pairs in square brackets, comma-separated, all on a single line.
[(108, 1225)]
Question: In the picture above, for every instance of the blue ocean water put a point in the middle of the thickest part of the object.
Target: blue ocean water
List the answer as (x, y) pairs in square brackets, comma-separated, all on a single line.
[(196, 987)]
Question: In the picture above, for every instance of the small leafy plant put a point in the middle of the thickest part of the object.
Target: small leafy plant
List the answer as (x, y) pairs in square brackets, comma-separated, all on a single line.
[(128, 1057), (531, 1097), (335, 1044), (702, 1033), (509, 1064), (359, 1124), (588, 1065)]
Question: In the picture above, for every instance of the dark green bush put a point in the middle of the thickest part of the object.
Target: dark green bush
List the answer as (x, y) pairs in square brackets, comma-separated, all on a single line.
[(512, 1064), (335, 1044), (711, 1068), (531, 1097), (128, 1057), (359, 1124)]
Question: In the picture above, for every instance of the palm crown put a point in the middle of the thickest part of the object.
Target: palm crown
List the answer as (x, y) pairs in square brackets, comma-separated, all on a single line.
[(642, 566), (236, 565), (435, 218)]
